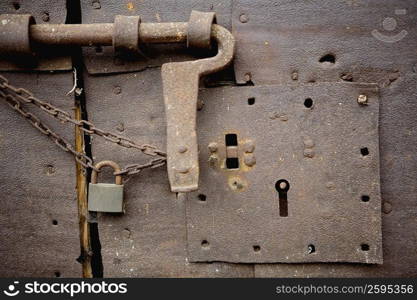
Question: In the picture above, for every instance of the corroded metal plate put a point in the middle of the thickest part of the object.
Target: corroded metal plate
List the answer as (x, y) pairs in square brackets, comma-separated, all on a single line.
[(317, 138)]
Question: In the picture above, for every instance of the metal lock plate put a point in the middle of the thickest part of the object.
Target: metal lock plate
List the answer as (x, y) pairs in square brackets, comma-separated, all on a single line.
[(105, 197), (305, 186)]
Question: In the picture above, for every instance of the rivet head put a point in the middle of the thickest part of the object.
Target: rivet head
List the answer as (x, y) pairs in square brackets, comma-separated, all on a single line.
[(50, 169), (213, 160), (212, 147), (243, 18), (362, 99), (182, 149), (250, 160), (200, 104), (283, 117), (308, 143), (120, 127)]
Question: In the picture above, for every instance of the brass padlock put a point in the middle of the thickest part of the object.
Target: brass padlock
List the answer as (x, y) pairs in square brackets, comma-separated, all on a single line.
[(105, 197)]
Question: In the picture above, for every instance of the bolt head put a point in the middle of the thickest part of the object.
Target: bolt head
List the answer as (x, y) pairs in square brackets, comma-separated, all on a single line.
[(386, 207), (248, 77), (213, 160), (183, 170), (283, 117), (243, 18), (212, 147), (308, 143), (363, 99)]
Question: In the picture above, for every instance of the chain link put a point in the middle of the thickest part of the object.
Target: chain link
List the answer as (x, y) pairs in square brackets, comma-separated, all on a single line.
[(15, 96)]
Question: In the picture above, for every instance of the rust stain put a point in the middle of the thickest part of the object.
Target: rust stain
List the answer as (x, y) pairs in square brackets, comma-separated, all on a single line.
[(130, 6)]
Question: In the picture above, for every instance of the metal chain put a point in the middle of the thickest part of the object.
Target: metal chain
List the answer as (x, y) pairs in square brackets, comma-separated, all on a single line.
[(15, 96)]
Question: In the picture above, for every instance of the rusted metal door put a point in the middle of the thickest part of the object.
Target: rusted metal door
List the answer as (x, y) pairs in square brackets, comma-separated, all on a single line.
[(305, 147)]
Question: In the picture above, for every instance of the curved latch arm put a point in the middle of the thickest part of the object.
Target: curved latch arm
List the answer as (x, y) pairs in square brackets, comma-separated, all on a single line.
[(180, 86)]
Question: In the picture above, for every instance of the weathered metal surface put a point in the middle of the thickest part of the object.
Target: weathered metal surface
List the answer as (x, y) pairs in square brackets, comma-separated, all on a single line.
[(306, 187), (38, 220), (149, 240), (106, 197), (398, 141), (308, 41), (180, 84), (103, 60), (44, 12)]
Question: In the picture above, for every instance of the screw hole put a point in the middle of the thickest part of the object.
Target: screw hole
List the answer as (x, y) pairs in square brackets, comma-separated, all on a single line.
[(54, 222), (256, 248), (365, 247), (311, 248), (202, 197), (365, 198), (205, 244), (57, 274), (16, 5), (251, 101), (328, 58), (282, 186), (308, 102), (364, 151)]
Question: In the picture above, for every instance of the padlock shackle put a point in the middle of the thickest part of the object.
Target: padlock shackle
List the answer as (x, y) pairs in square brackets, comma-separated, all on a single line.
[(106, 163)]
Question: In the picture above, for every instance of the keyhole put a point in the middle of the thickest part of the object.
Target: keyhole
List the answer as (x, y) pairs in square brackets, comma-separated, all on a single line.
[(282, 186)]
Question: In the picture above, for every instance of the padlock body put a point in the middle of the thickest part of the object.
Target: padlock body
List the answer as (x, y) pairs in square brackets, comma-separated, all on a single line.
[(105, 197)]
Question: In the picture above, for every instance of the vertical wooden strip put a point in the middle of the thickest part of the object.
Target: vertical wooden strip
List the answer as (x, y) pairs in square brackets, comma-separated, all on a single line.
[(82, 202)]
